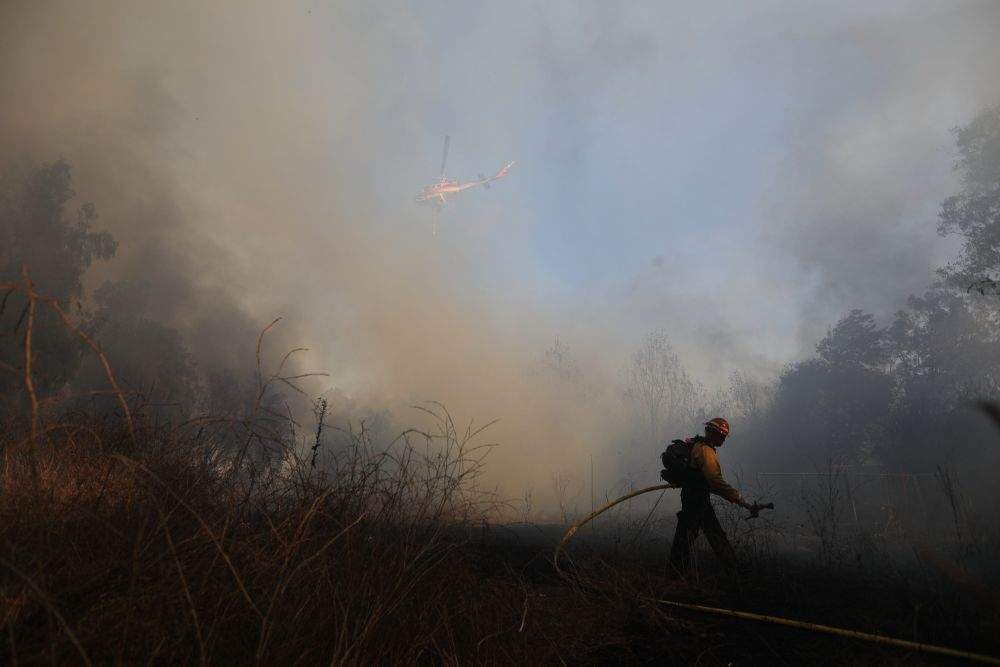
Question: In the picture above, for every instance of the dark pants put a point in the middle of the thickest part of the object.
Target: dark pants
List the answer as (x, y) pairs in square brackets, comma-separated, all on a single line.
[(696, 515)]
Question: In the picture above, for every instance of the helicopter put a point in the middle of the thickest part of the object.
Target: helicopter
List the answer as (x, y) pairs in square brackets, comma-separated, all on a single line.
[(435, 194)]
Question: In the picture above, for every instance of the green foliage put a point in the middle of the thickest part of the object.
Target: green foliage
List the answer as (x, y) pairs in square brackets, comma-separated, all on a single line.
[(902, 395), (38, 233), (974, 213), (148, 357), (834, 405)]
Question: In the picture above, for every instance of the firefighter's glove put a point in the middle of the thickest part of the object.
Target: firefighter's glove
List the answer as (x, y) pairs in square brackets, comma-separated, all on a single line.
[(755, 509)]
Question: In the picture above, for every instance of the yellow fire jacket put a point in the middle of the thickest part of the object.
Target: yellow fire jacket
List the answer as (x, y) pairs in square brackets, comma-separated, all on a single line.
[(704, 458)]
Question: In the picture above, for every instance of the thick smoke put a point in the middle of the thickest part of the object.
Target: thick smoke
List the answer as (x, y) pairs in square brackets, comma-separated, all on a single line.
[(239, 168), (257, 160), (862, 182), (82, 87)]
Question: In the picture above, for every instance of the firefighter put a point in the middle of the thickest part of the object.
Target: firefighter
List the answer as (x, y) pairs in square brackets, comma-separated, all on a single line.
[(696, 512)]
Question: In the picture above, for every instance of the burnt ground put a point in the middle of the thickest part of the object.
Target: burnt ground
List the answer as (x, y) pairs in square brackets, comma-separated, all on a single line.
[(604, 612), (154, 558)]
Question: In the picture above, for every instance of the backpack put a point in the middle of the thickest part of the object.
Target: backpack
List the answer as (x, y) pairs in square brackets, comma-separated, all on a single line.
[(677, 463)]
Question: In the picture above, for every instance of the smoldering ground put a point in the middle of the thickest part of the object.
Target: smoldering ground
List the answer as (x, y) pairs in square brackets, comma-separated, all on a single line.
[(256, 161)]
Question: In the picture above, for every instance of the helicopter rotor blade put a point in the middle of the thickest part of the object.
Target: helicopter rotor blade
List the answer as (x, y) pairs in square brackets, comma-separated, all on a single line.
[(444, 155)]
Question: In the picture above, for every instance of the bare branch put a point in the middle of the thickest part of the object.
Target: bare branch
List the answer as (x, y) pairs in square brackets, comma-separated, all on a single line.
[(29, 383)]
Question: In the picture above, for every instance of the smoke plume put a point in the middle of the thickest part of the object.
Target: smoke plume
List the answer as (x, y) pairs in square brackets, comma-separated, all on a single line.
[(736, 176)]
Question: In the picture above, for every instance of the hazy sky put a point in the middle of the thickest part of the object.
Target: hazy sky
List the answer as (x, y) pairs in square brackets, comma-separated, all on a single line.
[(784, 161), (737, 173)]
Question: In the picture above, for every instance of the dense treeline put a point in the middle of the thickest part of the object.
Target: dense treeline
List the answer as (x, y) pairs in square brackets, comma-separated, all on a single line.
[(44, 240), (903, 394)]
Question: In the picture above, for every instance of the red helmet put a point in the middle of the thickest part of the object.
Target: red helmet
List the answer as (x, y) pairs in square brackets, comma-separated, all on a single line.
[(719, 425)]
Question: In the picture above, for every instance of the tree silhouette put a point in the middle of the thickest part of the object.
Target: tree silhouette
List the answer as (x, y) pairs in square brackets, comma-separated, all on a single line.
[(661, 391), (903, 395), (38, 233), (974, 213), (149, 358)]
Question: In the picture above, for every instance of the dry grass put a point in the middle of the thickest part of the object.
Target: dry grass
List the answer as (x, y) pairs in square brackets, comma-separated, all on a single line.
[(115, 553), (214, 541), (118, 553)]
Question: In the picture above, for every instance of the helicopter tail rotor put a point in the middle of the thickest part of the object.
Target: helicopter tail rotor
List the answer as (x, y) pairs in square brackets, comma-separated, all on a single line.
[(503, 172), (444, 154)]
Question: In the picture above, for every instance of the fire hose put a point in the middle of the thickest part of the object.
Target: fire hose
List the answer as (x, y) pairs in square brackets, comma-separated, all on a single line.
[(776, 620)]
